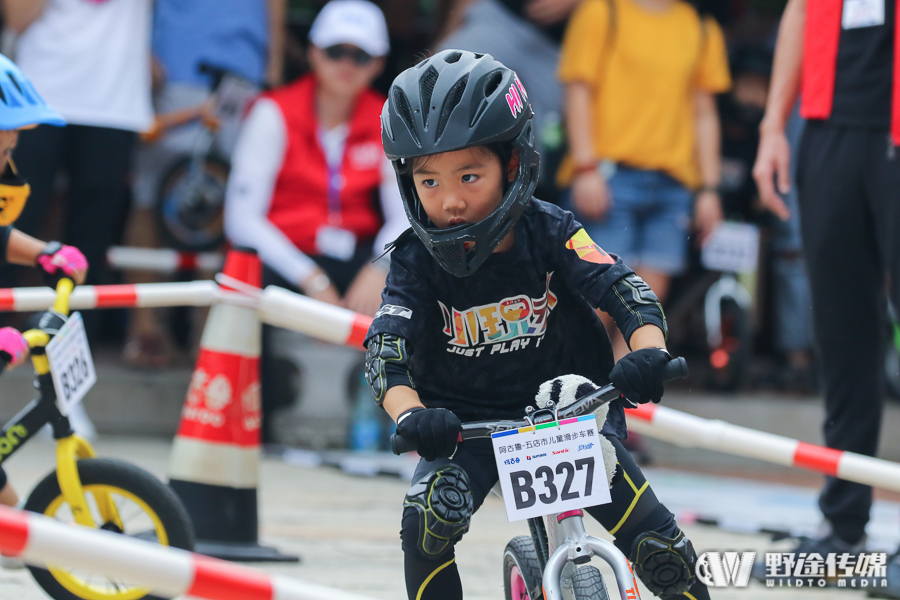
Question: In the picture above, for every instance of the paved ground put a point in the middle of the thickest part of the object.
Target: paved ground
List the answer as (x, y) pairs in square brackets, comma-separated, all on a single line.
[(345, 527)]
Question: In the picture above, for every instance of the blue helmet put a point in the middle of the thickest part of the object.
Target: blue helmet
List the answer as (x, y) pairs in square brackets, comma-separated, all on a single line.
[(20, 104)]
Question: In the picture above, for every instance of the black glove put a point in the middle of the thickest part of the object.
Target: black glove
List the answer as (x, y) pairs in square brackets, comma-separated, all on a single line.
[(435, 431), (640, 375)]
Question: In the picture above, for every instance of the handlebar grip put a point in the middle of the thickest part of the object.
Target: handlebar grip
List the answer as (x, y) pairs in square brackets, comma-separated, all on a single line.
[(676, 369), (401, 445)]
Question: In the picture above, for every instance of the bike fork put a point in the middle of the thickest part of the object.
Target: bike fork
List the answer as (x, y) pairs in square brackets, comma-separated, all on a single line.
[(579, 547), (68, 451)]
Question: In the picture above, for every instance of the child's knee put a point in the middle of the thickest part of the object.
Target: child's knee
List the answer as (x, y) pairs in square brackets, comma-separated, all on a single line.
[(437, 511), (663, 557)]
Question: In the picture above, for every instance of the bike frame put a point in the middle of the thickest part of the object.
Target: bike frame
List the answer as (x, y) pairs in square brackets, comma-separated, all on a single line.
[(44, 410)]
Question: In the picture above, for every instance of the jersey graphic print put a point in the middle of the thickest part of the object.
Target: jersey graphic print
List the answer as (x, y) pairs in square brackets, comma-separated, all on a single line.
[(587, 250), (505, 326), (394, 311)]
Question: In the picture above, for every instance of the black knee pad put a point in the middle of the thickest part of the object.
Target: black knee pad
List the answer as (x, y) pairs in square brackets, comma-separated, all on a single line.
[(438, 510), (665, 564)]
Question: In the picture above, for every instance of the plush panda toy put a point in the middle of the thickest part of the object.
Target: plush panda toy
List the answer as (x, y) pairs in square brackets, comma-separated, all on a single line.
[(566, 389)]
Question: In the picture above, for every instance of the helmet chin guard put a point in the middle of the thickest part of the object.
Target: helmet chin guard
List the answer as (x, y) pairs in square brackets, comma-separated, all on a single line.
[(452, 101)]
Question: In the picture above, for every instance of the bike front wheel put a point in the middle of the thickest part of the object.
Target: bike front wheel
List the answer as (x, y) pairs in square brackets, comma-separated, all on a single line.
[(588, 584), (147, 509), (521, 570)]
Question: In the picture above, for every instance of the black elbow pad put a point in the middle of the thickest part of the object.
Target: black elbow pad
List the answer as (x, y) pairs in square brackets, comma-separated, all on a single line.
[(387, 364), (633, 304)]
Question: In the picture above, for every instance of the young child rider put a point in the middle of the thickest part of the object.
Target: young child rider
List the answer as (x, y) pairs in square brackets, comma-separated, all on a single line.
[(22, 108), (492, 293)]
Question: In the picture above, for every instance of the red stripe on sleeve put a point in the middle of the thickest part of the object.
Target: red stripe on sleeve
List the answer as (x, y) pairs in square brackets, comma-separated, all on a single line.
[(895, 102), (818, 458), (110, 296), (227, 581), (644, 412), (358, 331), (7, 299), (13, 531)]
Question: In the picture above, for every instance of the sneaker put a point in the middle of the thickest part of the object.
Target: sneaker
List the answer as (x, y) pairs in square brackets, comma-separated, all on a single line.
[(827, 542), (893, 580)]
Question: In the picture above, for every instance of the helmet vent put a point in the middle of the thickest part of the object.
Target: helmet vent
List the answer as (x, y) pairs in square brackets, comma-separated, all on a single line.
[(453, 98), (478, 55), (14, 82), (426, 87), (405, 113), (2, 95), (452, 58), (492, 83)]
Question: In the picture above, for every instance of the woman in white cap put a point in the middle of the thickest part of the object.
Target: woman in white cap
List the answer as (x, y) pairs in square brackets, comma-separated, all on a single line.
[(310, 188)]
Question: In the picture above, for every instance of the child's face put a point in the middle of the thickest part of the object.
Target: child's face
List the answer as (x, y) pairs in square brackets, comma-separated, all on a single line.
[(463, 186), (8, 140)]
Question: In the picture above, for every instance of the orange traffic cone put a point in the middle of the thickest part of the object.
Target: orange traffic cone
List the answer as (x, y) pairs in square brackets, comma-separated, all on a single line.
[(214, 467)]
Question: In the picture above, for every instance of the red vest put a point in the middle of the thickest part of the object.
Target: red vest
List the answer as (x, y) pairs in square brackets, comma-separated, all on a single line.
[(820, 50), (300, 198)]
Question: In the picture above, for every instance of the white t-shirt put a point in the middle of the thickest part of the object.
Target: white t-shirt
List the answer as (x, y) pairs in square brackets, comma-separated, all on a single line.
[(91, 61), (255, 165)]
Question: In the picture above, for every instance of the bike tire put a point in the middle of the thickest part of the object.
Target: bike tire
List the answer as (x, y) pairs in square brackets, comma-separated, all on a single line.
[(892, 371), (125, 482), (520, 560), (588, 584), (736, 340), (193, 226)]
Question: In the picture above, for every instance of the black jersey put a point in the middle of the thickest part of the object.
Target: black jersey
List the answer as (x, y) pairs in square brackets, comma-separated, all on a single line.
[(481, 345)]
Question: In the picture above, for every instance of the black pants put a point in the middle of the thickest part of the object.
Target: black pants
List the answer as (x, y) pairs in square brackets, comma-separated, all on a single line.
[(634, 510), (97, 161), (849, 191), (276, 373)]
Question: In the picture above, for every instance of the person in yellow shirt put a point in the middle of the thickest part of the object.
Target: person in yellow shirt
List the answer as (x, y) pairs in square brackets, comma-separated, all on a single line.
[(640, 78)]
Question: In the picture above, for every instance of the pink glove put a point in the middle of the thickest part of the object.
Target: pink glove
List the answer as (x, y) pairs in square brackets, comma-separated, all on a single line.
[(57, 259), (13, 347)]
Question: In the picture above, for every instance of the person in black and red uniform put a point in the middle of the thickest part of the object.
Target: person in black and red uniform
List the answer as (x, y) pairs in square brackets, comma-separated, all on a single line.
[(848, 177), (308, 171)]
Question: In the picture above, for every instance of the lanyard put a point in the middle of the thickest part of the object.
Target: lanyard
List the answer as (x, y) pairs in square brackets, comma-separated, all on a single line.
[(335, 180)]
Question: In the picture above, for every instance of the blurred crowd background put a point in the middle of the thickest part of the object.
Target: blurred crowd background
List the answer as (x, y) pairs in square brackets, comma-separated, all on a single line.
[(176, 78)]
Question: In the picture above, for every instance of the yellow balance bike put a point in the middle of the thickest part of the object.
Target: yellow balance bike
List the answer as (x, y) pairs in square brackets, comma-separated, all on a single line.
[(94, 492)]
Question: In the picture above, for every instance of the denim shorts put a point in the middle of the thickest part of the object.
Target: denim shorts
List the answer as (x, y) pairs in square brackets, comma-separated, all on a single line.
[(648, 224)]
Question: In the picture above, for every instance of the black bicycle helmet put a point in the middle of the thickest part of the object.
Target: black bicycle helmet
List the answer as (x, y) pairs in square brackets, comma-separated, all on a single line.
[(455, 100)]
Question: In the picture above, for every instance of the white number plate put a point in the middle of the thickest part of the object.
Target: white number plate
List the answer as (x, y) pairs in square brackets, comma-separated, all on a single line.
[(732, 247), (552, 468), (71, 364)]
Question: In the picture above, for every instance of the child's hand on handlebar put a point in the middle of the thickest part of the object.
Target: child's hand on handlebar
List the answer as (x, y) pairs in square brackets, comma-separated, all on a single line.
[(434, 430), (13, 347), (57, 261), (640, 374)]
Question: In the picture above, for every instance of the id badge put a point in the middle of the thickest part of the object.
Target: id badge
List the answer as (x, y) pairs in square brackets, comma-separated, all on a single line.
[(335, 242), (862, 13)]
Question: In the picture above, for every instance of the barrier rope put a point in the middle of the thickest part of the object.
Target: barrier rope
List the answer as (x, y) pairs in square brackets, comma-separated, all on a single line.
[(40, 540), (689, 431)]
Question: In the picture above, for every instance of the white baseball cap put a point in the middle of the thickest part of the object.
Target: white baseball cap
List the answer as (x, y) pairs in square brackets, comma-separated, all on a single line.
[(356, 22)]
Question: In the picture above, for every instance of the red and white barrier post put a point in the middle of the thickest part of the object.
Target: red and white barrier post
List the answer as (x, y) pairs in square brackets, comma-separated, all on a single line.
[(167, 571), (214, 466), (689, 431)]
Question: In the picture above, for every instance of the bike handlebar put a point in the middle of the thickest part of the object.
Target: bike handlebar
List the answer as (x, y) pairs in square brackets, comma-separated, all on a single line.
[(675, 369)]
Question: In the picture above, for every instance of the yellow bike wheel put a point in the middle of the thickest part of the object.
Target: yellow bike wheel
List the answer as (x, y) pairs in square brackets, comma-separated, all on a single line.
[(146, 507)]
